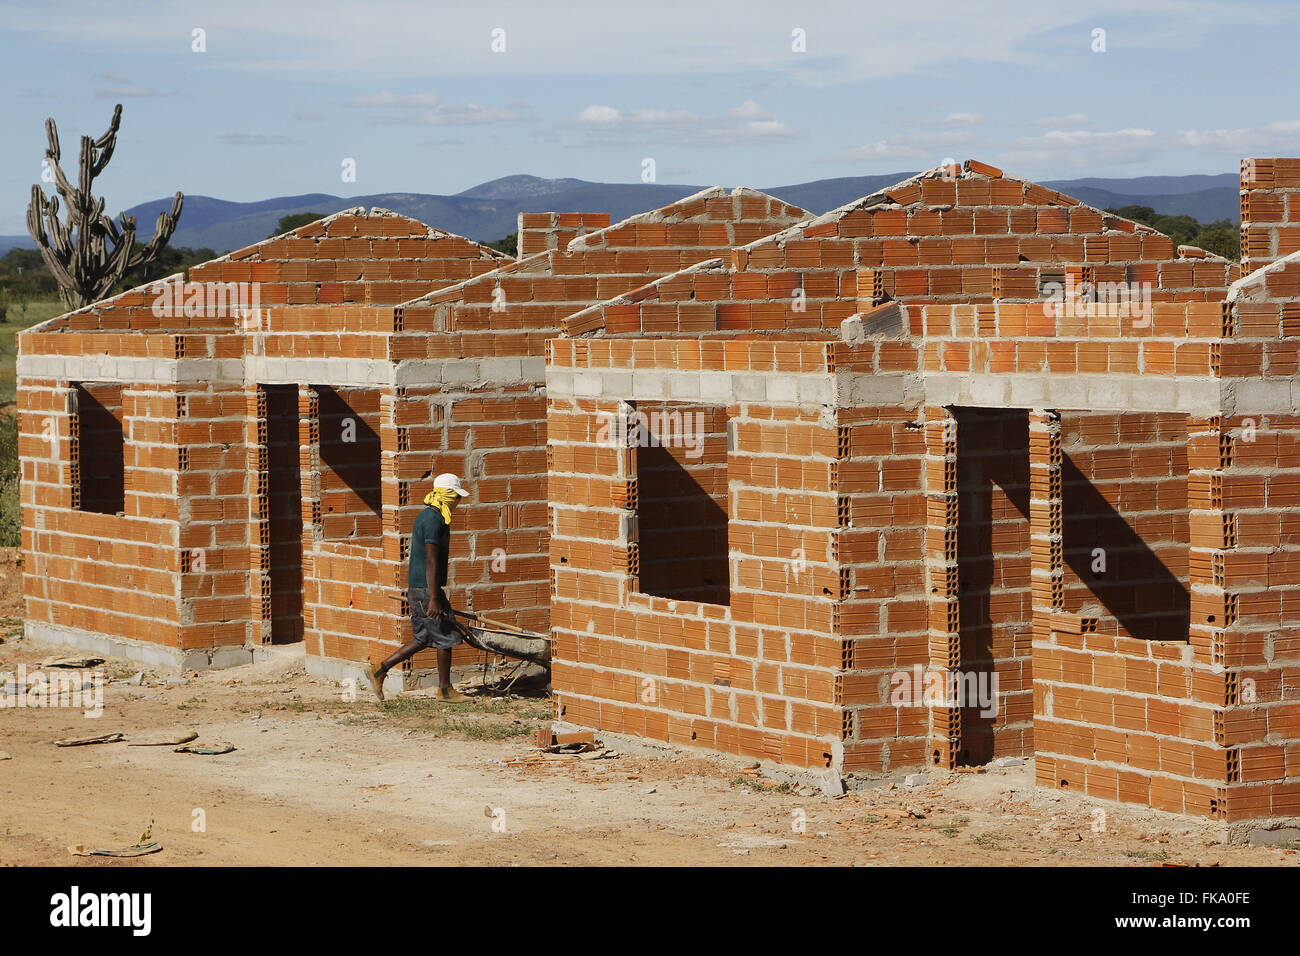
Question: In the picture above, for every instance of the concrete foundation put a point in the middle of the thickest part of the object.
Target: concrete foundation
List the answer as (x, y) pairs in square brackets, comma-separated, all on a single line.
[(153, 655)]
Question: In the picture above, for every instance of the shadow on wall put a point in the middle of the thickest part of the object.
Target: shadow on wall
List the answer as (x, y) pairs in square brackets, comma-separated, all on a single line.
[(284, 498), (351, 493), (995, 598), (1137, 589), (100, 455), (681, 503)]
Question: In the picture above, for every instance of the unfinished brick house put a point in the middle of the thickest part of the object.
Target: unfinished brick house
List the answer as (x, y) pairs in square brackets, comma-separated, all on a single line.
[(199, 482), (913, 462), (491, 426), (180, 442)]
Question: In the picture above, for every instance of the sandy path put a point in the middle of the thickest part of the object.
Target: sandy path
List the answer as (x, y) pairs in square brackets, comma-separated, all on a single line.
[(318, 781)]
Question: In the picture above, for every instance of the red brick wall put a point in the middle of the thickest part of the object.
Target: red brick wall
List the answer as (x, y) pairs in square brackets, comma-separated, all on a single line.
[(978, 238), (1250, 608), (111, 573), (540, 231), (1117, 717), (879, 547), (1125, 496), (349, 465), (1270, 210), (1138, 713), (1182, 339), (1246, 491), (761, 677), (380, 258)]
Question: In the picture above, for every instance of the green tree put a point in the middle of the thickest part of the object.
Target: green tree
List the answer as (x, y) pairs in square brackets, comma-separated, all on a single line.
[(1222, 238), (169, 262), (25, 277), (10, 517), (509, 245)]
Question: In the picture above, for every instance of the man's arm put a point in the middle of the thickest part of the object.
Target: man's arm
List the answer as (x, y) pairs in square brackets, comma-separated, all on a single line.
[(438, 602)]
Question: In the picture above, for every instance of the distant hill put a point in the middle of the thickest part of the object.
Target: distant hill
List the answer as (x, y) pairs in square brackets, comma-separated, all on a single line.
[(821, 195), (1155, 185), (1205, 205), (520, 187), (489, 211)]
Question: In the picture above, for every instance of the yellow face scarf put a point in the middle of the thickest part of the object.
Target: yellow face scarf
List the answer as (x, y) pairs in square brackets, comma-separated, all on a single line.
[(444, 499)]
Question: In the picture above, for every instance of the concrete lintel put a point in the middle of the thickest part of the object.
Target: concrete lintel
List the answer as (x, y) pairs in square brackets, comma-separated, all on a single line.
[(1254, 397), (487, 371), (339, 372), (709, 386), (853, 389), (559, 381), (1102, 392)]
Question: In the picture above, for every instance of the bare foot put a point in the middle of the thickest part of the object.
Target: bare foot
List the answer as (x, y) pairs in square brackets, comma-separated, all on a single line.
[(451, 695)]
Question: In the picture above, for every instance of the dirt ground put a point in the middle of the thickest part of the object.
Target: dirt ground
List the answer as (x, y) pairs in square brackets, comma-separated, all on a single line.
[(316, 779)]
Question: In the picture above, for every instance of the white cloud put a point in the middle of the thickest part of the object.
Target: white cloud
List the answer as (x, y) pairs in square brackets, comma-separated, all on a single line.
[(951, 121), (749, 110), (1073, 119), (1056, 151), (1083, 149), (124, 89), (128, 93), (471, 114), (389, 100), (258, 139), (930, 149), (600, 116), (745, 125), (433, 112), (1280, 135)]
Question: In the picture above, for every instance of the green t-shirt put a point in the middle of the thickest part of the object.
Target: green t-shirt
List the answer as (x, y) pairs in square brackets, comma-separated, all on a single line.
[(431, 527)]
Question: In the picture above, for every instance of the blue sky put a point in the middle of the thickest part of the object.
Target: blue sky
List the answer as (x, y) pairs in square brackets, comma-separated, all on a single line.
[(714, 92)]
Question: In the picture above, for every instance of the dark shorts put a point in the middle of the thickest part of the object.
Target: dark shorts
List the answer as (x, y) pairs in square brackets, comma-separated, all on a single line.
[(428, 630)]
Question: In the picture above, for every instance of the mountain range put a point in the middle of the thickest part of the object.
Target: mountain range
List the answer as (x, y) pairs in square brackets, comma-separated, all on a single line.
[(488, 211)]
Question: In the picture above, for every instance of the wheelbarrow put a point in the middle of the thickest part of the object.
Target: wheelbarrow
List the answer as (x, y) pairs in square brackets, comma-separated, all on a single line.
[(494, 637)]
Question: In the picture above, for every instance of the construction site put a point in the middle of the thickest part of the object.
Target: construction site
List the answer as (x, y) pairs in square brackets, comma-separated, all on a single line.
[(962, 500)]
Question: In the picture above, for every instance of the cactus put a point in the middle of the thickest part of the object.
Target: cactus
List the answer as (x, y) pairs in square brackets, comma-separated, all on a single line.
[(77, 251)]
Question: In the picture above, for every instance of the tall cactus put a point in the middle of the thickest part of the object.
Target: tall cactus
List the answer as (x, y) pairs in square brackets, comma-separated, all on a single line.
[(77, 251)]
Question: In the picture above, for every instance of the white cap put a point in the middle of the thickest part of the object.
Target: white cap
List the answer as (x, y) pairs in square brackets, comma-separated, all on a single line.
[(448, 480)]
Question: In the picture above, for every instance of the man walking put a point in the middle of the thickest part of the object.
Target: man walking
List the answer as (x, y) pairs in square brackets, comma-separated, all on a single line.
[(432, 620)]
